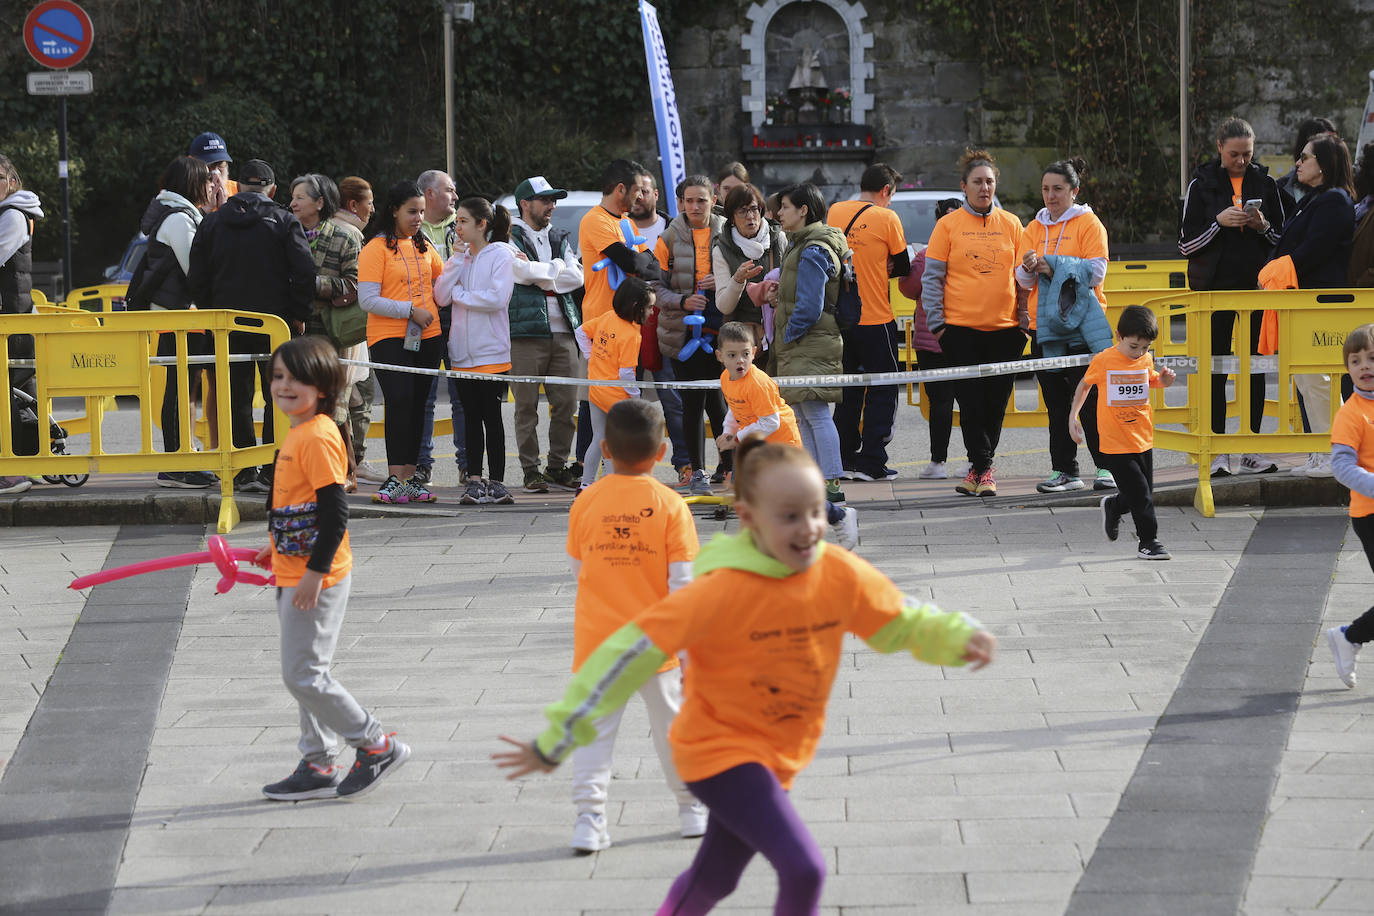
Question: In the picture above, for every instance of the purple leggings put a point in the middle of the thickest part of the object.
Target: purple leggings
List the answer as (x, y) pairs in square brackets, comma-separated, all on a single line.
[(750, 812)]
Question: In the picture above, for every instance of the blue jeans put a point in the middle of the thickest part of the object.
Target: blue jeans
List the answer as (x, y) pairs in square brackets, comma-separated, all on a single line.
[(819, 437), (670, 399)]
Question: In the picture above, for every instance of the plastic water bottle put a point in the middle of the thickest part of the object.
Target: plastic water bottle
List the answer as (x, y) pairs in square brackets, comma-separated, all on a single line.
[(413, 332)]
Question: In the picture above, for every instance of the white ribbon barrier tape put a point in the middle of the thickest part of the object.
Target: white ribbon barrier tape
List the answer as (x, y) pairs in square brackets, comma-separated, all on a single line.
[(1183, 365)]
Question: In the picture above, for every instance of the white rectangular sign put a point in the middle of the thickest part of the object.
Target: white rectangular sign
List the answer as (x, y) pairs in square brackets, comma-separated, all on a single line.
[(60, 82)]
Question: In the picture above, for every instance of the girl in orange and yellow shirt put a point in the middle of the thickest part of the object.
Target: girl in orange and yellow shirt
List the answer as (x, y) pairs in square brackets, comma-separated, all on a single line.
[(610, 344), (763, 629)]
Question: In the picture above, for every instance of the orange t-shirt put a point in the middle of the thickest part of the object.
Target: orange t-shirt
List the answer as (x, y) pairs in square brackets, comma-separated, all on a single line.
[(615, 346), (1236, 191), (405, 274), (701, 243), (761, 655), (625, 529), (980, 255), (756, 395), (1352, 426), (1084, 236), (598, 231), (1125, 421), (876, 236), (311, 458)]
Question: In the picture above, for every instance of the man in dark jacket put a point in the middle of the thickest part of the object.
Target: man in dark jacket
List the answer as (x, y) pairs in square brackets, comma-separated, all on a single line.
[(252, 255)]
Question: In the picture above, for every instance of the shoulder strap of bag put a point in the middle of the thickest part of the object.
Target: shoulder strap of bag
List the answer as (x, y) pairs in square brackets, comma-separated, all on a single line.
[(855, 219)]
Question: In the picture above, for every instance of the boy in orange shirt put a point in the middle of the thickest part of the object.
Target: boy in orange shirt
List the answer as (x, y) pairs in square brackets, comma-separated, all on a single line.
[(1124, 375), (1352, 463), (631, 541), (756, 409)]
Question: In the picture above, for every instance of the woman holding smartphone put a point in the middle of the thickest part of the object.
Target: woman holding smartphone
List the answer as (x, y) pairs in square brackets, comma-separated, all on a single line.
[(1232, 216)]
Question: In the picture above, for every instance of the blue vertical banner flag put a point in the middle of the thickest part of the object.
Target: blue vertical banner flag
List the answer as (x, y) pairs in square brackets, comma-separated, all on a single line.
[(670, 150)]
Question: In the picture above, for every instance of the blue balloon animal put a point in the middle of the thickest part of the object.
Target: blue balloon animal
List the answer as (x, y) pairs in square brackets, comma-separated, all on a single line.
[(697, 342), (614, 275)]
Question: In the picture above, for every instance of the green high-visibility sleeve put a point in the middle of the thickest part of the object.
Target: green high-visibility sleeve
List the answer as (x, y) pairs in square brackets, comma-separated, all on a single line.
[(928, 633), (619, 666)]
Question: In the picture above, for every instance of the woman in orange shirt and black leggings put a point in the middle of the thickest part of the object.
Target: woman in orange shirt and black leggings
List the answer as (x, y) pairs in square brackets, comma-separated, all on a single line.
[(971, 307), (396, 273)]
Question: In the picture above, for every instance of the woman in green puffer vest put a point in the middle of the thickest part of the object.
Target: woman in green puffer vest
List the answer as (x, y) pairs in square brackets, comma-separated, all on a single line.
[(806, 335)]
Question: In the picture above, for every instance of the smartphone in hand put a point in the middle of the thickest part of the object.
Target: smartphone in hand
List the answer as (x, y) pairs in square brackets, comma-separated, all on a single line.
[(1253, 204)]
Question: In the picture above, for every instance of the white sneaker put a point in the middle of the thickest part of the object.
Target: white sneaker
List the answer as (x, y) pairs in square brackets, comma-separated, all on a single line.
[(934, 471), (693, 819), (846, 530), (1320, 465), (1344, 652), (590, 834), (1301, 470), (1255, 464), (1221, 466), (370, 474)]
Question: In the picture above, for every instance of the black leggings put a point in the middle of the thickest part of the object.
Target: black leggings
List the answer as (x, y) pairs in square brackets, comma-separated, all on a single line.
[(196, 345), (405, 394), (982, 401), (1362, 630), (1135, 479), (1222, 325), (481, 402), (699, 367), (941, 398)]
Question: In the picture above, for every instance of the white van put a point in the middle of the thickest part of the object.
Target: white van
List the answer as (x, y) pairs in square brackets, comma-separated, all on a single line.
[(567, 215)]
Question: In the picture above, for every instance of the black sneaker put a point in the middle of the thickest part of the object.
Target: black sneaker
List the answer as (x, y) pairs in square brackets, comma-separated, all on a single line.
[(536, 482), (562, 479), (1153, 551), (371, 766), (249, 481), (305, 782), (422, 472), (184, 480), (1111, 519), (719, 476)]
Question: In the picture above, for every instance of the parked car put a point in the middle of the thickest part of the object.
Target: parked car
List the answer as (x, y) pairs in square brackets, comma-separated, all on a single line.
[(569, 212), (123, 272)]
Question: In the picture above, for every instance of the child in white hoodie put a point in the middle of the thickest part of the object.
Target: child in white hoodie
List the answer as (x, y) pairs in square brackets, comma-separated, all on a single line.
[(478, 282)]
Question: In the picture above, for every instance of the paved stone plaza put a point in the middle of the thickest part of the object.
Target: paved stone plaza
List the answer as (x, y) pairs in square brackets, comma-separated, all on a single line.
[(1151, 738)]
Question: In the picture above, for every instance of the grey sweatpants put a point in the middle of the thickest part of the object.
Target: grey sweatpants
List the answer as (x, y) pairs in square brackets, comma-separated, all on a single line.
[(328, 712)]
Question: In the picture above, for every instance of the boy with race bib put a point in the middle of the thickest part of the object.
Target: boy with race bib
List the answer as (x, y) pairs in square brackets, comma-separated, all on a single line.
[(1124, 375)]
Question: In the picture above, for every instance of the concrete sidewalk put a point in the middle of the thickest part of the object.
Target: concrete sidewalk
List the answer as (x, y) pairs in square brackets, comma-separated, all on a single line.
[(935, 791)]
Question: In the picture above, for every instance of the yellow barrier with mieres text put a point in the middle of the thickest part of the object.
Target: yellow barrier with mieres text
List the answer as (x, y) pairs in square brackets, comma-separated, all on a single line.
[(94, 357), (1312, 329), (1170, 274)]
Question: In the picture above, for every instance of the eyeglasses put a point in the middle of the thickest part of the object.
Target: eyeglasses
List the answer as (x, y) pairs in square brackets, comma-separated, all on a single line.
[(1303, 157), (748, 211)]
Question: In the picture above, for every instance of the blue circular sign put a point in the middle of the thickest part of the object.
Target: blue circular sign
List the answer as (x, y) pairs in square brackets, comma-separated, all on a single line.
[(58, 34)]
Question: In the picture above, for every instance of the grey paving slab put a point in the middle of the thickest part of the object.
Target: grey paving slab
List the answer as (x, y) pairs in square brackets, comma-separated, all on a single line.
[(69, 863), (999, 786)]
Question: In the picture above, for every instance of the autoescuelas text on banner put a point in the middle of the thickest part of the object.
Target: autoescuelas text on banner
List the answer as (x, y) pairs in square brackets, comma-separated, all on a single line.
[(670, 149)]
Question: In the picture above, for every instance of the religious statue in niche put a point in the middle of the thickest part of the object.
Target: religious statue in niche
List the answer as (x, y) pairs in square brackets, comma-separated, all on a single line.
[(807, 65)]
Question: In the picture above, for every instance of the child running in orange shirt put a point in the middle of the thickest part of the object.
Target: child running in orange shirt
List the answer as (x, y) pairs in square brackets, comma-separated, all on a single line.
[(1124, 375), (610, 344), (756, 409), (631, 541), (763, 629), (1352, 462), (310, 556)]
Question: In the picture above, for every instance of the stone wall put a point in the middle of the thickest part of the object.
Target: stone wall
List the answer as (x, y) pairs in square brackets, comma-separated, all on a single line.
[(1256, 59)]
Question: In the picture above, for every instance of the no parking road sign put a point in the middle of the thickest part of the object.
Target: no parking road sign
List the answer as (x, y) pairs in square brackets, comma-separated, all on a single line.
[(58, 34)]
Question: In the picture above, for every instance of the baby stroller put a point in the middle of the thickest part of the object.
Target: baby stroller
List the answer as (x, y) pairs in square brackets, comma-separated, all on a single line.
[(28, 417)]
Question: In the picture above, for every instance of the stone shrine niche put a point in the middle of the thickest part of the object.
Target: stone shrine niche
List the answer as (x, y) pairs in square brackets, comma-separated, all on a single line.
[(807, 63)]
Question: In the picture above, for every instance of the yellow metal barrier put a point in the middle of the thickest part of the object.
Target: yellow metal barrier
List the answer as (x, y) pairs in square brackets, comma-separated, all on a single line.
[(1171, 274), (1312, 329), (100, 298), (98, 357)]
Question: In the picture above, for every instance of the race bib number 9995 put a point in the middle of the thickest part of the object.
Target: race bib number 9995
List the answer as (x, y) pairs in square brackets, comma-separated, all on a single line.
[(1127, 388)]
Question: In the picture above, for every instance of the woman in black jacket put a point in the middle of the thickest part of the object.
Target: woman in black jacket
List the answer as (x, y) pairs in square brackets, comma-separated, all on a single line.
[(1317, 237), (1226, 243)]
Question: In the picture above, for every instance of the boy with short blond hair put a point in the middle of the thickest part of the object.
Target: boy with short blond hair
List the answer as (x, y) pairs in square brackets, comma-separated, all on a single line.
[(1124, 375), (631, 541)]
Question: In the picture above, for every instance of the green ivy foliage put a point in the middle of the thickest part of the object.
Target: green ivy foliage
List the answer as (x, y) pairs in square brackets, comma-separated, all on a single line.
[(1100, 79), (343, 88), (34, 154)]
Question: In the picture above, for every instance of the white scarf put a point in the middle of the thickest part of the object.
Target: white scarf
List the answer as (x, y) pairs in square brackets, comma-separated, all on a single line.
[(753, 248)]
